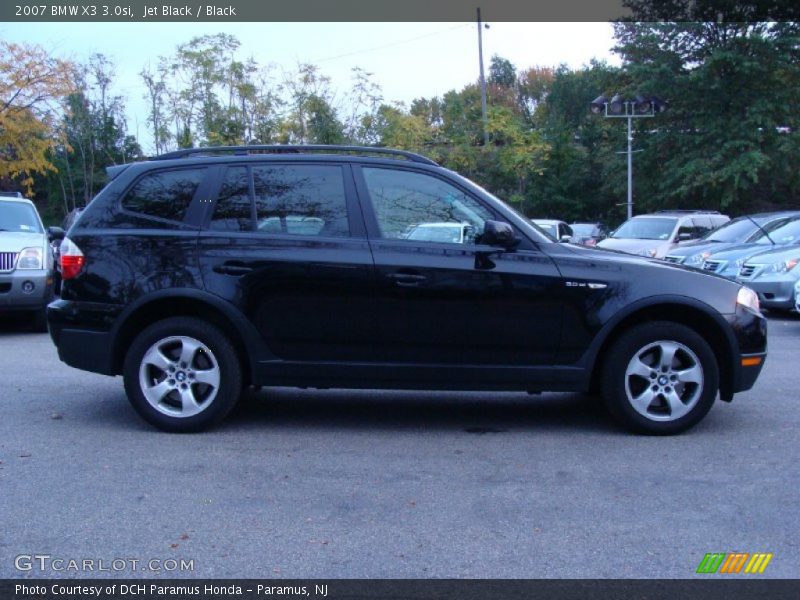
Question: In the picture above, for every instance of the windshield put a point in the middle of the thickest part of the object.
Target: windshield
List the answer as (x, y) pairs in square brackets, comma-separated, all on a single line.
[(644, 228), (781, 233), (735, 231), (19, 218)]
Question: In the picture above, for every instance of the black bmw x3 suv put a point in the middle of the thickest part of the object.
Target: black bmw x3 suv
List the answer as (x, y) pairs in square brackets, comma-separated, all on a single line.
[(206, 270)]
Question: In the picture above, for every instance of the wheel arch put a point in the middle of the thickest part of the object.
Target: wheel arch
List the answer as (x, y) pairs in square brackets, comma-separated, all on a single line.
[(188, 303), (687, 311)]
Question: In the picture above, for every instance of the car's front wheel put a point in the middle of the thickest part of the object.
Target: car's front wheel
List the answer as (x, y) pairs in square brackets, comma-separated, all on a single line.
[(660, 378), (182, 374)]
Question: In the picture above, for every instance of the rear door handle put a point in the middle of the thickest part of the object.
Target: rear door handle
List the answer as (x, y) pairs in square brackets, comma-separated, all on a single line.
[(406, 279), (237, 270)]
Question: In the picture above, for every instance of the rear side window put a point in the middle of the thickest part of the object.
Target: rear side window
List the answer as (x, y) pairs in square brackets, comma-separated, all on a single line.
[(300, 200), (164, 194), (289, 199)]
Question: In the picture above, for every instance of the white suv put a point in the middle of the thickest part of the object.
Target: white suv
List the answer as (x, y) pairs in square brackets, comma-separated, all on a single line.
[(654, 235), (26, 259)]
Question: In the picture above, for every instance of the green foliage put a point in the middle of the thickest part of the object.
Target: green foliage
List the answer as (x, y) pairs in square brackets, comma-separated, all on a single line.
[(728, 140)]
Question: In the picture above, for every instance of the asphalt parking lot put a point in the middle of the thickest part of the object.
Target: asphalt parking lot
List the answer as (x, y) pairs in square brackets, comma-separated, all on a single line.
[(352, 484)]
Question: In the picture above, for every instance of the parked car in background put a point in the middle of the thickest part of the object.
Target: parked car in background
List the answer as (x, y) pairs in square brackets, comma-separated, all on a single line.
[(170, 282), (738, 231), (588, 234), (773, 274), (655, 235), (26, 259), (728, 262), (558, 230), (453, 233), (797, 296)]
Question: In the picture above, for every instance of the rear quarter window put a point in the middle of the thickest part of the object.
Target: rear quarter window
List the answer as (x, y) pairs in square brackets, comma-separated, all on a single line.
[(164, 194)]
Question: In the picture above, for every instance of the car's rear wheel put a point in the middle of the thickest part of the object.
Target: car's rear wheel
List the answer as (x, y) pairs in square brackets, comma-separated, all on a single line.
[(182, 374), (660, 378)]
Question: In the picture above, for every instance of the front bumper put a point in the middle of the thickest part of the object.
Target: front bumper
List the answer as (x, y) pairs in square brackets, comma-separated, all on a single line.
[(13, 295), (750, 352), (774, 291)]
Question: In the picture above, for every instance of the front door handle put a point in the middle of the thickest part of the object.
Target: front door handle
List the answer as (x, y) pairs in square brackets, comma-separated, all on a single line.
[(406, 279), (236, 270)]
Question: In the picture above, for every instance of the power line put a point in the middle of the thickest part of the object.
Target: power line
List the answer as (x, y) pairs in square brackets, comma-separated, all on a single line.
[(393, 44)]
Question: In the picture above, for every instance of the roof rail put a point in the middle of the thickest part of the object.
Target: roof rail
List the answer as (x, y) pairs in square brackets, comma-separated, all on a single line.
[(293, 149), (681, 211), (11, 195)]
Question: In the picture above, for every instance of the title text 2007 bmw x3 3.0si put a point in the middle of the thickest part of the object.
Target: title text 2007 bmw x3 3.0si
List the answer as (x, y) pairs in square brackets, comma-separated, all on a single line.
[(206, 270)]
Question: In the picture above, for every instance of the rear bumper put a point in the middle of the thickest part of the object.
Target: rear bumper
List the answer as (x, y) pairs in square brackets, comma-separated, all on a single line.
[(86, 344)]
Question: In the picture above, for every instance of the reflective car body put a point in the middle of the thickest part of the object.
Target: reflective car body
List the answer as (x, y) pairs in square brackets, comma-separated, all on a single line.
[(357, 301)]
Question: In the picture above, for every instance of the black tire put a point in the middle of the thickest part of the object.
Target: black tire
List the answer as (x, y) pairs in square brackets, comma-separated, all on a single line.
[(213, 357), (651, 343)]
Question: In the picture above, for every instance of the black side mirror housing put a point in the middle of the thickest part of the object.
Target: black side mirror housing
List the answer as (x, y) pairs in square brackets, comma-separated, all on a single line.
[(499, 233), (55, 233)]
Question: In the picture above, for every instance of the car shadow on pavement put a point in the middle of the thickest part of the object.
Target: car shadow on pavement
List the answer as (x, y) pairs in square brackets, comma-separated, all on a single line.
[(476, 413)]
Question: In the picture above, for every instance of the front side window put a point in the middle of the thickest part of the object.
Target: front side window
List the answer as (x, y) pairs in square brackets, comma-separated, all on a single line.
[(164, 194), (416, 206), (300, 200)]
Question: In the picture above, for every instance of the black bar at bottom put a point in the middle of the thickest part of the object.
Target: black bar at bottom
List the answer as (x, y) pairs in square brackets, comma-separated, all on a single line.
[(713, 588)]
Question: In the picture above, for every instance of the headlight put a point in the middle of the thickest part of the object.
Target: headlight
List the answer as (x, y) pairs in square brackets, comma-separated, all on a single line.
[(747, 297), (30, 258), (782, 267), (695, 260)]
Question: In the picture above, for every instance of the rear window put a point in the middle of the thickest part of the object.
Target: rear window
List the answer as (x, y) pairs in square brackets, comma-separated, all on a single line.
[(164, 194)]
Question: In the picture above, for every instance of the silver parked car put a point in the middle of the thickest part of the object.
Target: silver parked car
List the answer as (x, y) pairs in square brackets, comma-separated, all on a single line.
[(655, 235), (773, 275), (26, 259)]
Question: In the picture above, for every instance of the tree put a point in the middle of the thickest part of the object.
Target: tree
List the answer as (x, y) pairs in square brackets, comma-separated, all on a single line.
[(731, 89), (31, 84)]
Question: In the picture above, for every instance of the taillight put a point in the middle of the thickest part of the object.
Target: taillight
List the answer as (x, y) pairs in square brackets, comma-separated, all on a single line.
[(72, 259)]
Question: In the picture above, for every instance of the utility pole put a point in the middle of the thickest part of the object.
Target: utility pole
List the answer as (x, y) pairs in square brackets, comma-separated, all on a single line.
[(483, 82)]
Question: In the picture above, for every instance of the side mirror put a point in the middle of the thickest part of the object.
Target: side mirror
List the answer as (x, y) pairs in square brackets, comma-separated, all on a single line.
[(683, 237), (499, 233), (55, 233), (565, 239)]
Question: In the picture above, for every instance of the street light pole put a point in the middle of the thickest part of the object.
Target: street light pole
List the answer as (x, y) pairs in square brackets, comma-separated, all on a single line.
[(630, 167), (617, 108), (482, 82)]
